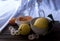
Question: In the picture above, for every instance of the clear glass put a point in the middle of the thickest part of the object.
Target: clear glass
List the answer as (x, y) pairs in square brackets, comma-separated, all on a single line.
[(32, 8)]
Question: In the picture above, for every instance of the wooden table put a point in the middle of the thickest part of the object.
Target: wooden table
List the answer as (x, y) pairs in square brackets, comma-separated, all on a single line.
[(53, 36)]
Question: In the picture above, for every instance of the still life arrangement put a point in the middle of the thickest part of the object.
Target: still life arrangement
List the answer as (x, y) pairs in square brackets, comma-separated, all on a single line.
[(33, 27)]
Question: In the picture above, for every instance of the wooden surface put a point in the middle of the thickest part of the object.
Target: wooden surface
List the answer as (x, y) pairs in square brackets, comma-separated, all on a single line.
[(53, 36)]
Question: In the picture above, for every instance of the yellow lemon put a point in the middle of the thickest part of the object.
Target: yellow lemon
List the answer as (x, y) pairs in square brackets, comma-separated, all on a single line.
[(24, 29), (41, 23)]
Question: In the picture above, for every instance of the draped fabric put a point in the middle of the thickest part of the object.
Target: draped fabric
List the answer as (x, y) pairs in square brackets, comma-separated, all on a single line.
[(7, 10)]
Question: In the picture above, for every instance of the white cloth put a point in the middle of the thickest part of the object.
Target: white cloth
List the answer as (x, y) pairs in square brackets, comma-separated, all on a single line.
[(7, 11), (53, 7)]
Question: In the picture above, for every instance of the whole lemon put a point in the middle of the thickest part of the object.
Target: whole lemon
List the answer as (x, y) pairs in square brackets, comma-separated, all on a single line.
[(41, 23), (24, 29)]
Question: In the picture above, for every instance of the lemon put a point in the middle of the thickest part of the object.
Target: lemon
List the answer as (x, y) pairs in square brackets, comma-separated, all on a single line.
[(24, 29), (41, 23)]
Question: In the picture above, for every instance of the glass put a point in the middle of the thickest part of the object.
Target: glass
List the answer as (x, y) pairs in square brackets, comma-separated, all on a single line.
[(32, 8)]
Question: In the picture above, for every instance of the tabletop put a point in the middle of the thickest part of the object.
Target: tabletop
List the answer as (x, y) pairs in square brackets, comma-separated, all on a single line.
[(53, 36)]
